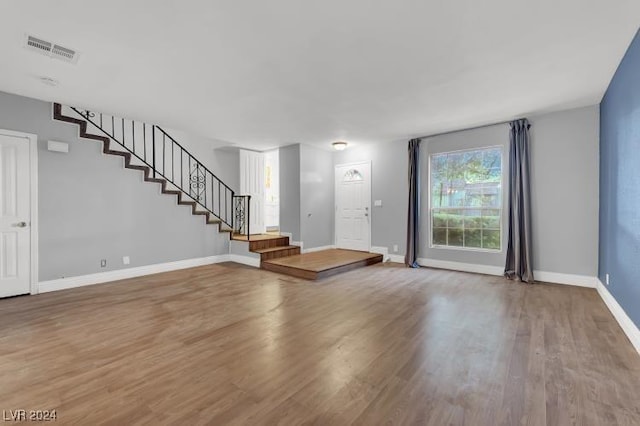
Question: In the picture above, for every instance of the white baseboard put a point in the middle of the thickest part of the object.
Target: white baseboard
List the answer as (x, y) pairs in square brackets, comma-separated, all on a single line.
[(312, 249), (244, 260), (569, 279), (627, 325), (386, 257), (463, 267), (384, 251), (548, 277), (121, 274)]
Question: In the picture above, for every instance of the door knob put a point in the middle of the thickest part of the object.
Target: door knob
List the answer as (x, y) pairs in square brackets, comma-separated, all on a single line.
[(20, 225), (366, 214)]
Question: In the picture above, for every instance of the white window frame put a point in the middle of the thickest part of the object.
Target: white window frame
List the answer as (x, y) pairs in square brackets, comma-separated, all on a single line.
[(501, 208)]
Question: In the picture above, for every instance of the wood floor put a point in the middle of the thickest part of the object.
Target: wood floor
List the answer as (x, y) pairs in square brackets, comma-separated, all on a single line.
[(229, 344), (321, 264)]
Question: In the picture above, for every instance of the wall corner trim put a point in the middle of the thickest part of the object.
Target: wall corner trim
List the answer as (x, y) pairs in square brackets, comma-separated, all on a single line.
[(627, 325), (121, 274)]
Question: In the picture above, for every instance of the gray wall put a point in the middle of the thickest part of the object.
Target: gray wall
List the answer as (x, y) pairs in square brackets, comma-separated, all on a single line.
[(91, 208), (389, 184), (565, 175), (564, 153), (225, 164), (564, 187), (290, 190), (316, 197)]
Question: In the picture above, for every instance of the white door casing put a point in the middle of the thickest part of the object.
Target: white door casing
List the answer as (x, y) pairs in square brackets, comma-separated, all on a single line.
[(353, 206), (252, 183), (18, 199)]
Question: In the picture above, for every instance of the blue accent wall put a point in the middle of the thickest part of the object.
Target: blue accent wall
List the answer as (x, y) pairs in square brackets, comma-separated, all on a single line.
[(619, 251)]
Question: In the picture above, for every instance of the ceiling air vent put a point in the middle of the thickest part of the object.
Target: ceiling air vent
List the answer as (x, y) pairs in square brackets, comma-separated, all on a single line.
[(50, 49)]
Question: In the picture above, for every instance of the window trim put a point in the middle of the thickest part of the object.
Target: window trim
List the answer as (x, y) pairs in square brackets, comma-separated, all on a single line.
[(501, 208)]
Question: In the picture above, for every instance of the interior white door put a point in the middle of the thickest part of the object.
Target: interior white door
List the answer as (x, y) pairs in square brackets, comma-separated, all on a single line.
[(252, 183), (15, 237), (353, 206)]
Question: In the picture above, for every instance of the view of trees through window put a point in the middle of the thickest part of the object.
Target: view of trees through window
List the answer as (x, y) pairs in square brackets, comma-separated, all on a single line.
[(466, 199)]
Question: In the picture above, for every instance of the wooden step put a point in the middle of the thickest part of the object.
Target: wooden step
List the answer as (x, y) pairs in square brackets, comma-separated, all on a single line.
[(277, 252), (321, 264), (263, 241)]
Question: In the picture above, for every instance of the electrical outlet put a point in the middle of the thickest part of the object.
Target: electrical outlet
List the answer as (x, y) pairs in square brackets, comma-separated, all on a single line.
[(606, 279), (377, 203), (395, 248), (126, 260), (103, 263)]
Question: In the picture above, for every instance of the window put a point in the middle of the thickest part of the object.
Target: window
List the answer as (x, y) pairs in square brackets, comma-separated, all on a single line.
[(466, 199), (352, 175)]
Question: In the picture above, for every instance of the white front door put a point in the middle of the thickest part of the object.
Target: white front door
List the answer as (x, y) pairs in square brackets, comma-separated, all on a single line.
[(252, 183), (353, 206), (15, 237)]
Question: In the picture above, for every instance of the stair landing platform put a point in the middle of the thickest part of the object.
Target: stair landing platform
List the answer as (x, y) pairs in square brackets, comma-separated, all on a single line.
[(321, 264)]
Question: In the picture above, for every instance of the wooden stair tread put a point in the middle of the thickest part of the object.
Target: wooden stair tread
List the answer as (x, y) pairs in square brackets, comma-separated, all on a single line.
[(321, 264), (257, 237), (272, 249)]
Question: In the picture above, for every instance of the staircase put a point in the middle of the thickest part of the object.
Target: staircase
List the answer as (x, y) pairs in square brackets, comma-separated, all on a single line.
[(163, 160), (269, 247)]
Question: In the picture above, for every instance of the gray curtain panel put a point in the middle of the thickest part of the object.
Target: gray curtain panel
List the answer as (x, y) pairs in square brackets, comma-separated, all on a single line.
[(413, 216), (518, 264)]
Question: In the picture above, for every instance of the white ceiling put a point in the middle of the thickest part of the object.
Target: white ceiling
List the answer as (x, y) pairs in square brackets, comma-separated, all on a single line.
[(261, 74)]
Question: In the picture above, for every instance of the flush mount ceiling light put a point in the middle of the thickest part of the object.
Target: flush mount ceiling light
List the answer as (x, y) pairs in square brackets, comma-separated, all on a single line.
[(339, 146)]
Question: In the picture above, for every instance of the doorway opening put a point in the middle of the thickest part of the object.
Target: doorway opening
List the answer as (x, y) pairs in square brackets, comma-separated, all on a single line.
[(259, 178)]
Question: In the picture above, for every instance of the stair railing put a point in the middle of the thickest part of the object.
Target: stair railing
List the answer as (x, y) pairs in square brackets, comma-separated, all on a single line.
[(169, 160), (242, 212)]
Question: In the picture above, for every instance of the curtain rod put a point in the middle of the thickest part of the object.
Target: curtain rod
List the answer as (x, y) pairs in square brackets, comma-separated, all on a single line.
[(468, 128)]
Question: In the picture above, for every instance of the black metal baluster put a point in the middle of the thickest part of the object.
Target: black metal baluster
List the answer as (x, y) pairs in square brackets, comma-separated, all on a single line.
[(205, 190), (181, 163), (144, 141), (153, 143), (164, 149), (218, 196), (173, 167), (133, 135), (248, 218), (100, 120), (113, 127), (124, 140)]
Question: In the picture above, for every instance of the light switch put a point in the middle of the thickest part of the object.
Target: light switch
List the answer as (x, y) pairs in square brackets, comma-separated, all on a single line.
[(377, 203)]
